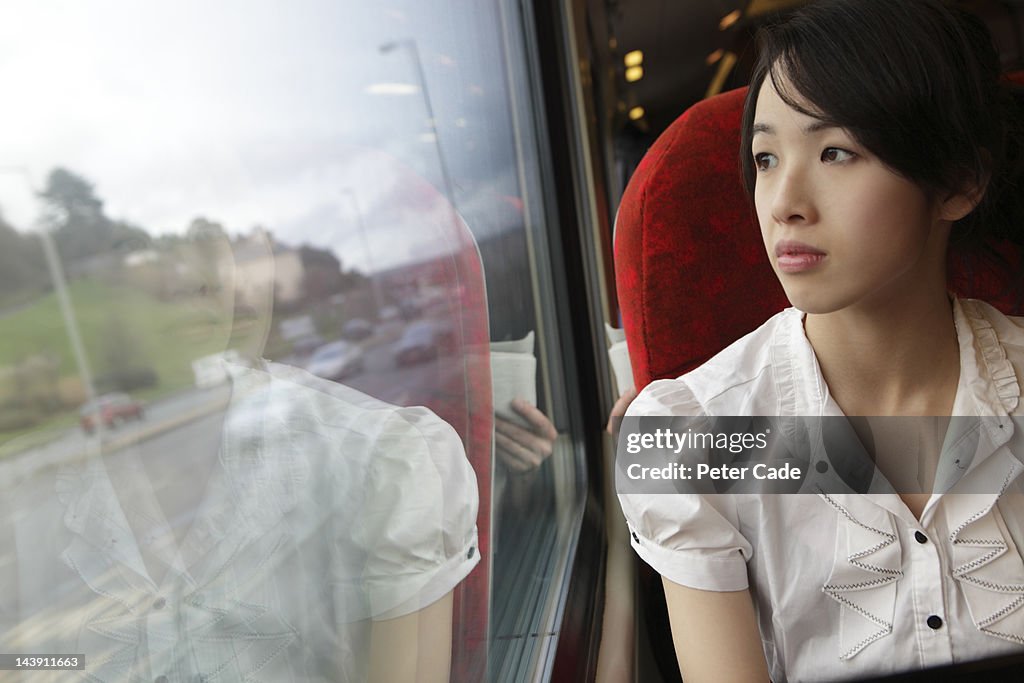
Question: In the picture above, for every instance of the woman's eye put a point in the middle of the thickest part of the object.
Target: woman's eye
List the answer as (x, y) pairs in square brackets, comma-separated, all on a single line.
[(835, 155), (765, 160)]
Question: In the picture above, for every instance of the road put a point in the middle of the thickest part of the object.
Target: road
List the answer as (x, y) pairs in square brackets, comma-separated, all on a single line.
[(168, 418), (73, 444)]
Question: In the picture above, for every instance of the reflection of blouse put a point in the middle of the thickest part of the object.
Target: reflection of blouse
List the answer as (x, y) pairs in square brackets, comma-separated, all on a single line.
[(328, 509), (851, 585)]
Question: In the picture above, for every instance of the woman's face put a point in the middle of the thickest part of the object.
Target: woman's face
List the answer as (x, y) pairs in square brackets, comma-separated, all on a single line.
[(841, 228)]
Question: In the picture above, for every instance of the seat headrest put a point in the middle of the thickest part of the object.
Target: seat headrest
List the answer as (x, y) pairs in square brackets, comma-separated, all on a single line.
[(691, 272)]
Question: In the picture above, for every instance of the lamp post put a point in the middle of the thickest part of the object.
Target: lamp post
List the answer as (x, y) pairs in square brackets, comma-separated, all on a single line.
[(449, 187), (414, 54), (64, 301)]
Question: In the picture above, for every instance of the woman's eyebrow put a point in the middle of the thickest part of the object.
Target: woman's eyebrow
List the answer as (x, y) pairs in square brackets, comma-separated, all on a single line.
[(815, 126)]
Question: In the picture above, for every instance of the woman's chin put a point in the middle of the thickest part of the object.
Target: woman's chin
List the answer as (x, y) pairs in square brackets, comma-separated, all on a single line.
[(814, 301)]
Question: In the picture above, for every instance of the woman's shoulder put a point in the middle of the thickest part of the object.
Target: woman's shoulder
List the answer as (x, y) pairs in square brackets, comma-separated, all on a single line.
[(731, 380)]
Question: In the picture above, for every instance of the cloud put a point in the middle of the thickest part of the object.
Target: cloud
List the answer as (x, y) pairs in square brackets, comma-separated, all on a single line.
[(250, 112)]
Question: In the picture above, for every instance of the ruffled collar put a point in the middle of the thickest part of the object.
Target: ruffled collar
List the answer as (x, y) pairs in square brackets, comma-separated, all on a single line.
[(993, 380), (800, 385), (987, 378)]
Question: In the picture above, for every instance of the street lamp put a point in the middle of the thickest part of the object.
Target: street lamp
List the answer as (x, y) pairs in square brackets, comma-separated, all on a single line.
[(410, 46), (64, 301)]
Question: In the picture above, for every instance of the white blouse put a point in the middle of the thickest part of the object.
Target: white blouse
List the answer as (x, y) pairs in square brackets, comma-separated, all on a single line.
[(853, 585), (326, 509)]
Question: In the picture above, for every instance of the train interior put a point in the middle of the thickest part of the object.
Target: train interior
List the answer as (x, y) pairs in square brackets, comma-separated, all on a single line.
[(310, 329)]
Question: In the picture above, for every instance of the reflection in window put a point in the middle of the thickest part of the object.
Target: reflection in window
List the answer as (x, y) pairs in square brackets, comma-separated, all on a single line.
[(271, 328)]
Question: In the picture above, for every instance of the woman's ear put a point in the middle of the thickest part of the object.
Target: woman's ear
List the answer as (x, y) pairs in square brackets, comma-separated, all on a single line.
[(958, 204)]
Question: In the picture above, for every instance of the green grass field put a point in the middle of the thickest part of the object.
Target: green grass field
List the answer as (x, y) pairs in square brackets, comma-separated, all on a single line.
[(120, 327)]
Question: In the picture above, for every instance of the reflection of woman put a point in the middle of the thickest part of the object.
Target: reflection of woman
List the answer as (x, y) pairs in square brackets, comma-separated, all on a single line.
[(873, 134), (306, 533)]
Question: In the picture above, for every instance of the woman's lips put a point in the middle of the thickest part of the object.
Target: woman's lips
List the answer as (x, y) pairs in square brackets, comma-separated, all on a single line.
[(796, 257)]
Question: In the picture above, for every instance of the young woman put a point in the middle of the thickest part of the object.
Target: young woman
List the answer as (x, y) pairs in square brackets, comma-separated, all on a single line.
[(874, 134)]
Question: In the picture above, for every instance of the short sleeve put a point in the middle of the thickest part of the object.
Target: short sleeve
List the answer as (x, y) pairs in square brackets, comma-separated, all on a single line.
[(690, 539), (418, 523)]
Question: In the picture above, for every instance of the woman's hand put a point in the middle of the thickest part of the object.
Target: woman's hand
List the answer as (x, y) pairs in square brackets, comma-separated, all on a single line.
[(619, 410), (523, 449)]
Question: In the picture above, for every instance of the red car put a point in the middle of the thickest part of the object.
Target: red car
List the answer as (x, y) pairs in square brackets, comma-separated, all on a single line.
[(113, 409)]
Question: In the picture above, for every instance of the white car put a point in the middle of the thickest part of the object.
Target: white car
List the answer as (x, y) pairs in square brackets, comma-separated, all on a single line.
[(336, 360)]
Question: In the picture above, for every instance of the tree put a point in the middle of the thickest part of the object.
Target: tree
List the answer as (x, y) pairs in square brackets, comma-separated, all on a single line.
[(72, 198), (122, 360), (81, 229), (321, 273), (207, 250)]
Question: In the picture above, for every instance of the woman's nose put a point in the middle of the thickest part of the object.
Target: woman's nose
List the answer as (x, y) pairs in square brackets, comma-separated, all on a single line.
[(793, 200)]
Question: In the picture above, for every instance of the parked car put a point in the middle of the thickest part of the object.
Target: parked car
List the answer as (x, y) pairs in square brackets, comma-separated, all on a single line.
[(112, 409), (422, 341), (336, 360), (410, 310), (307, 343), (356, 329)]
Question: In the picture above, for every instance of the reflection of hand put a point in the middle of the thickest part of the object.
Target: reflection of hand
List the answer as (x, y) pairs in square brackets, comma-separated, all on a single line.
[(619, 410), (523, 449)]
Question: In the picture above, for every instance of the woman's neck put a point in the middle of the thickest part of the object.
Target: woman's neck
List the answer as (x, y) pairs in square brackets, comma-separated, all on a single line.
[(901, 358)]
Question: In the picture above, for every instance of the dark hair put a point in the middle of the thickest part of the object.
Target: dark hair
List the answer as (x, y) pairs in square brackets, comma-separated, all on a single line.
[(916, 82)]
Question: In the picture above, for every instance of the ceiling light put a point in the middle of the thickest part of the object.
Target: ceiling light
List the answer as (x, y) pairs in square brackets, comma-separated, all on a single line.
[(636, 113), (634, 73), (725, 66), (729, 19), (634, 58), (714, 56), (392, 89)]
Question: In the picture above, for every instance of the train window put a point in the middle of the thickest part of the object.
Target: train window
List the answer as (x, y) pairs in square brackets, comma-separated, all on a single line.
[(282, 384)]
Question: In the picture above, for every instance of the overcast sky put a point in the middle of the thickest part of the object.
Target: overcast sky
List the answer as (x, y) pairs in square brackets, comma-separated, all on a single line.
[(255, 112)]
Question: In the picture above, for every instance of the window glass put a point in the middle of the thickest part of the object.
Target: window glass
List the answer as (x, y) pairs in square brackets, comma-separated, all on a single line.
[(280, 371)]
